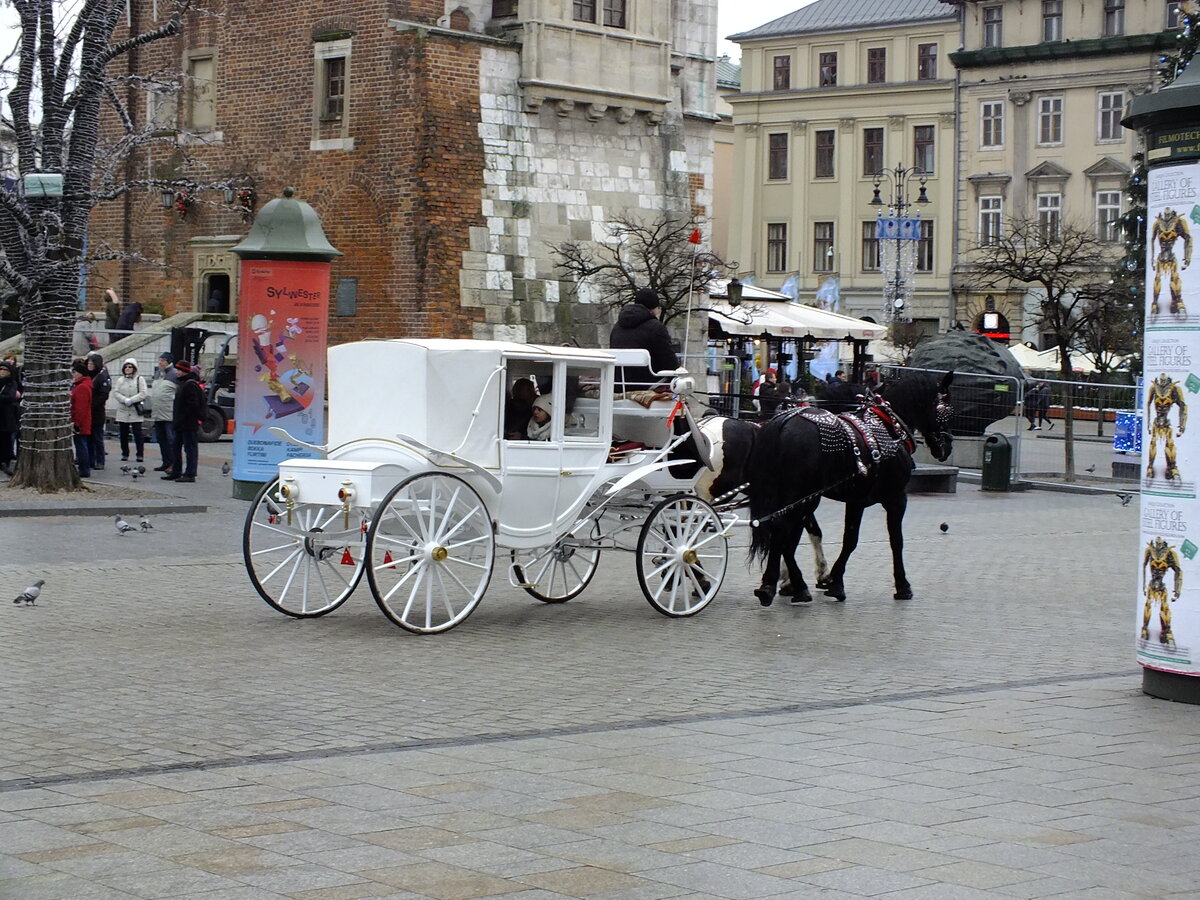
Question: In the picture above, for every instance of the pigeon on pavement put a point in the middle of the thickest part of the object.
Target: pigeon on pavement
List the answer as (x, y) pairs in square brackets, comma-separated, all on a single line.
[(944, 527), (135, 474), (1091, 468), (1124, 498), (224, 468), (125, 470), (145, 524), (122, 526), (30, 593)]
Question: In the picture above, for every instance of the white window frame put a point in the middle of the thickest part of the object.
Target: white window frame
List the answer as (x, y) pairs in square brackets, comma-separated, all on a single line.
[(1052, 14), (870, 246), (1174, 14), (192, 134), (991, 219), (1107, 227), (1113, 24), (931, 147), (1050, 121), (780, 240), (996, 118), (823, 258), (1110, 116), (322, 51), (1049, 215), (926, 247)]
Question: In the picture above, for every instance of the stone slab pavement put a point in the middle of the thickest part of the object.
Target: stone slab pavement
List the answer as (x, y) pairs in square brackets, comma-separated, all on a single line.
[(166, 734)]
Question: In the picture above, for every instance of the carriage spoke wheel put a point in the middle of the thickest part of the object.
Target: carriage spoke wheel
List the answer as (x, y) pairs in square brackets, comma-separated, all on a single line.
[(557, 573), (682, 555), (304, 562), (430, 550)]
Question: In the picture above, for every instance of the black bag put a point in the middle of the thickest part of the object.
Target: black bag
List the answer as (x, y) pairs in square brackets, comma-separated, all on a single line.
[(140, 408)]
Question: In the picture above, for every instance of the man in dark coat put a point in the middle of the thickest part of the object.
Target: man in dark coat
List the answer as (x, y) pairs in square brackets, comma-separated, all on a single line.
[(101, 388), (187, 413), (10, 415), (638, 328)]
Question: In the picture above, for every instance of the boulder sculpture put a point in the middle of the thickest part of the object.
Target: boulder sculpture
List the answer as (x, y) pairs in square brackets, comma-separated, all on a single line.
[(986, 382)]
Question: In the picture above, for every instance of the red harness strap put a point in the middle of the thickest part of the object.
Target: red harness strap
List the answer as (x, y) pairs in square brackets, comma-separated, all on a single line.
[(895, 427)]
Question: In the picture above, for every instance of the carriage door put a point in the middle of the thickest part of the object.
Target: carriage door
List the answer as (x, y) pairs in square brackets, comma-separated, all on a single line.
[(529, 468), (587, 433)]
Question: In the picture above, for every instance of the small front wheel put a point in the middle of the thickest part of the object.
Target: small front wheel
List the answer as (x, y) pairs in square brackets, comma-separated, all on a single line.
[(556, 573), (682, 555), (431, 548), (304, 561)]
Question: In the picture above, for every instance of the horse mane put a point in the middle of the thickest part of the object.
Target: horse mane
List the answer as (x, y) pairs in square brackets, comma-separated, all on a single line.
[(912, 396)]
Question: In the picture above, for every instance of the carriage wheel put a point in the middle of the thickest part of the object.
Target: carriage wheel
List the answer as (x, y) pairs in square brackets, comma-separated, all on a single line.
[(559, 572), (430, 550), (305, 563), (682, 555)]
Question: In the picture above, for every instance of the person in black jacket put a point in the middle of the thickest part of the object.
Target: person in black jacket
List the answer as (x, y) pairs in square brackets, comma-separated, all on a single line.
[(187, 413), (101, 388), (638, 328), (10, 416)]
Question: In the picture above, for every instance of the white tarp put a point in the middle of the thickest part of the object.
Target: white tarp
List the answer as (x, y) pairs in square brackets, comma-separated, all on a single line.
[(780, 318)]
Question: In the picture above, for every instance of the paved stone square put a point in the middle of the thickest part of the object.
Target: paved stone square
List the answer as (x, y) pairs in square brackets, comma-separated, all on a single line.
[(167, 734)]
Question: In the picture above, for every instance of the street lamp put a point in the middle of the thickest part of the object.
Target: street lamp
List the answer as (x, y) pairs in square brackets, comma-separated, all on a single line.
[(898, 233)]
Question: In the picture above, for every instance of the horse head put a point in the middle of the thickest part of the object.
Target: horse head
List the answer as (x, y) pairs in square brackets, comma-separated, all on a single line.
[(924, 406)]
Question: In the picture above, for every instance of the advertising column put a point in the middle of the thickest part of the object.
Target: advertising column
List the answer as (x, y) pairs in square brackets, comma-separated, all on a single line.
[(283, 314), (1166, 621)]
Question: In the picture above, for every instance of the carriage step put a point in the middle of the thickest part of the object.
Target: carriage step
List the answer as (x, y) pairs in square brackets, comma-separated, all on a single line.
[(933, 479), (516, 576)]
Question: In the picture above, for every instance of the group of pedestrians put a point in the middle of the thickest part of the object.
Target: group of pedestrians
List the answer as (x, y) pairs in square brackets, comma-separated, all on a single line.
[(1037, 406), (176, 406)]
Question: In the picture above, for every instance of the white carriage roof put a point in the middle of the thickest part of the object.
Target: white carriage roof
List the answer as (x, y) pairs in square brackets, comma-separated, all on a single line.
[(786, 319), (508, 348)]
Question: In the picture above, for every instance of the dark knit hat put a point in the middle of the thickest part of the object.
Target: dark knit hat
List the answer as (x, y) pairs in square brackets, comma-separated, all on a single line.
[(168, 357), (648, 298), (184, 366), (79, 366)]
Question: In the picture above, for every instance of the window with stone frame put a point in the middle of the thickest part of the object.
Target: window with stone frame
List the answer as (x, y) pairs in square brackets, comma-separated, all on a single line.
[(614, 13), (1050, 121), (824, 147), (585, 10), (876, 65), (782, 73), (1174, 14), (923, 148), (503, 9), (925, 245), (991, 220), (991, 124), (872, 151), (1108, 216), (827, 66), (1114, 17), (927, 62), (1052, 20), (777, 247), (201, 111), (333, 88), (993, 26), (822, 246), (1110, 111), (162, 108), (1049, 216), (777, 156), (870, 246)]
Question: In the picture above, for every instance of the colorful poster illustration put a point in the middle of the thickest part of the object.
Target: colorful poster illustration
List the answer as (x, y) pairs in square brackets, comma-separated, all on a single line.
[(1168, 604), (283, 312)]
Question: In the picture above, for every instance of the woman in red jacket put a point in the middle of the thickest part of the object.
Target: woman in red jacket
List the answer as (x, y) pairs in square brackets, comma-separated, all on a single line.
[(81, 417)]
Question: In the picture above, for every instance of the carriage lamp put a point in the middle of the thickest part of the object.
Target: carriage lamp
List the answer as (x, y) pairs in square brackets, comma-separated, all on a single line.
[(289, 492), (346, 494)]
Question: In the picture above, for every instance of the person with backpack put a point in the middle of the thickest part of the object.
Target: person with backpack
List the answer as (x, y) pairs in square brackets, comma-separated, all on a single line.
[(189, 409)]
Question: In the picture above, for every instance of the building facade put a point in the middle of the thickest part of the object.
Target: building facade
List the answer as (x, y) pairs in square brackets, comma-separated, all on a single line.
[(834, 96), (1042, 90), (445, 145)]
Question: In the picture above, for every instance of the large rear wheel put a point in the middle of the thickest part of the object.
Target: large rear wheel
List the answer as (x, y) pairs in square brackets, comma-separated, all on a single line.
[(430, 549), (682, 555), (305, 561)]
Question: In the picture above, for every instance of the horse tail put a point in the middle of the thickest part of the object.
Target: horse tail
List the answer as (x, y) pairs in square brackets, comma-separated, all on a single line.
[(762, 472)]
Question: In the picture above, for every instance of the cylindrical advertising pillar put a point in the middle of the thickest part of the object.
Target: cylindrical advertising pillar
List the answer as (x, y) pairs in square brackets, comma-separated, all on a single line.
[(283, 314), (1167, 620)]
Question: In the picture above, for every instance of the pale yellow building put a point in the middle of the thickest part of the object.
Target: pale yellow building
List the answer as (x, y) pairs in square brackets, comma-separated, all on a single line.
[(833, 95), (1042, 89)]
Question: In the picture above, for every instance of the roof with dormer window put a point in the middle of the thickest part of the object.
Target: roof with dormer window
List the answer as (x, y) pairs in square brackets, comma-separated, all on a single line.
[(836, 15)]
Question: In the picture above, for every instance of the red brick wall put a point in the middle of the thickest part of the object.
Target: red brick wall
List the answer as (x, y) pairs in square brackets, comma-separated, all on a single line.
[(398, 206)]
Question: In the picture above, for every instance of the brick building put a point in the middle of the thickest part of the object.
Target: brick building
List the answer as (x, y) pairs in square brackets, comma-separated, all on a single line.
[(444, 145)]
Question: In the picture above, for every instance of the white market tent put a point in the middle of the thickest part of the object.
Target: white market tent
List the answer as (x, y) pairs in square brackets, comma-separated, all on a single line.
[(1048, 360), (765, 312)]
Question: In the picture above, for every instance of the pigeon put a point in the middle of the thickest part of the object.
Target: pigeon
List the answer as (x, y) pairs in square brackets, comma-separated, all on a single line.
[(122, 526), (224, 468), (135, 474), (1124, 498), (145, 524), (944, 527), (125, 470), (1091, 468), (141, 470), (30, 593)]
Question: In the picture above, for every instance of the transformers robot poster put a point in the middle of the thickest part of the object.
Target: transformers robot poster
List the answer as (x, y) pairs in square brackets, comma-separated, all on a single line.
[(1170, 229), (1160, 558), (1164, 394)]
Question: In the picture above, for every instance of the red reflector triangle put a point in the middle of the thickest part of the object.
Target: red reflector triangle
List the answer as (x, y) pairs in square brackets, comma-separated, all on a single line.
[(387, 558), (347, 559)]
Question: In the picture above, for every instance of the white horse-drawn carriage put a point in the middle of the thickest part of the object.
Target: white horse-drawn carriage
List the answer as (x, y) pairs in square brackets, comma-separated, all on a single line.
[(419, 486)]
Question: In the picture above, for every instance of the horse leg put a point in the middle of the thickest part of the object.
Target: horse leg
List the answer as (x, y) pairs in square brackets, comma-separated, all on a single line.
[(765, 592), (834, 587), (815, 537), (798, 590), (895, 525)]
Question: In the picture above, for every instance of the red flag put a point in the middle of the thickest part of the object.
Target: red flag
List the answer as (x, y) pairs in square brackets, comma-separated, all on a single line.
[(694, 237), (676, 410)]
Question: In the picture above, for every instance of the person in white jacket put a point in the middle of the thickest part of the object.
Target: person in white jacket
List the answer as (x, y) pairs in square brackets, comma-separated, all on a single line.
[(129, 390)]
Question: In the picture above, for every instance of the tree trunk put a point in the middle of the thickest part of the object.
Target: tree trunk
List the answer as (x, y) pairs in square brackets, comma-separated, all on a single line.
[(47, 458), (1068, 404)]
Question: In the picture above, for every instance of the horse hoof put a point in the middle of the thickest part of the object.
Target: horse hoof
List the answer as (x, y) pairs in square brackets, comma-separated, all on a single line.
[(903, 595), (785, 590), (765, 597), (801, 599), (822, 583), (836, 593)]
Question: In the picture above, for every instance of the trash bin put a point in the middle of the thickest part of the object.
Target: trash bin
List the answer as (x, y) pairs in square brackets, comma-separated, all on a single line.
[(997, 464)]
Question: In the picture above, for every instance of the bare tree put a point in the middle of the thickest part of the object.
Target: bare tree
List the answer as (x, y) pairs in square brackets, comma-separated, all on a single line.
[(1066, 266), (655, 254), (60, 87)]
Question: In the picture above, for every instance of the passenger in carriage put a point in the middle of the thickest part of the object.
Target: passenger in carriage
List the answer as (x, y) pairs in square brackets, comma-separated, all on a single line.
[(638, 328), (541, 420), (518, 409)]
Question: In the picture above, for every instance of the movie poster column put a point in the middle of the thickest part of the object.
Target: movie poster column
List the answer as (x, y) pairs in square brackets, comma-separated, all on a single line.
[(283, 308), (1168, 604)]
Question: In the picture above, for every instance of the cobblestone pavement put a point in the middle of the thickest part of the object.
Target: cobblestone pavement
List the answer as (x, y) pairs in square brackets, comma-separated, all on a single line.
[(166, 734)]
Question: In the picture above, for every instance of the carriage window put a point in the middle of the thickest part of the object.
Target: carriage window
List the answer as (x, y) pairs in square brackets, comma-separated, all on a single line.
[(583, 385), (523, 382)]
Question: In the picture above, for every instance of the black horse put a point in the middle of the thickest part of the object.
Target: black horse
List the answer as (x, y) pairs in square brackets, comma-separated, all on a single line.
[(860, 458)]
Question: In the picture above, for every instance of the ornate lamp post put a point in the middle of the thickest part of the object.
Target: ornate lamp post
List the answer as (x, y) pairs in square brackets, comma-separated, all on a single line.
[(898, 234)]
